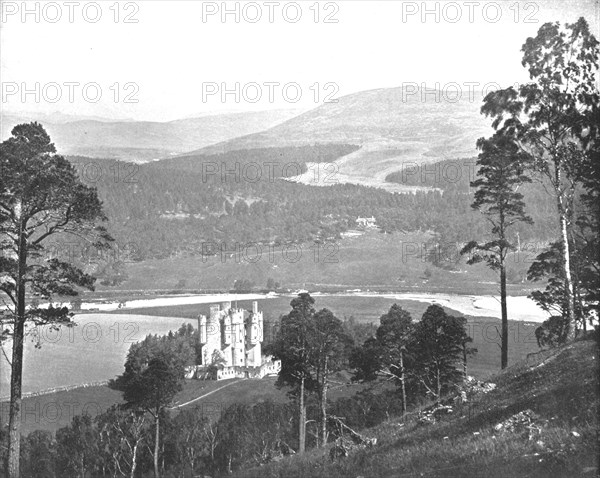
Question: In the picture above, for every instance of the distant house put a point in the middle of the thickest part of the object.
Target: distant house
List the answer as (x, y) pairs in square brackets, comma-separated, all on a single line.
[(366, 222)]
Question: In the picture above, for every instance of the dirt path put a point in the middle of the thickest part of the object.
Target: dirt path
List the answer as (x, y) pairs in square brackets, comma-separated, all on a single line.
[(205, 395)]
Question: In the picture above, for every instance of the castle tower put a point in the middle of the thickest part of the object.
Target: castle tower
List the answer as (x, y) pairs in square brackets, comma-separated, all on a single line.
[(212, 336), (238, 338), (254, 337), (202, 328), (227, 338), (261, 330)]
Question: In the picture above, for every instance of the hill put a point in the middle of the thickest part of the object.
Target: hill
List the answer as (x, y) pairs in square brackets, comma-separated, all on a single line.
[(393, 116), (142, 141), (540, 421), (393, 126)]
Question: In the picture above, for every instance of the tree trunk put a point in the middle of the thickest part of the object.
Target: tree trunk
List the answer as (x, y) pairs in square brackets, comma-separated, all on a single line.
[(316, 433), (439, 384), (134, 460), (324, 405), (16, 377), (156, 445), (567, 273), (192, 466), (402, 381), (566, 259), (504, 336), (14, 436), (302, 420), (464, 360)]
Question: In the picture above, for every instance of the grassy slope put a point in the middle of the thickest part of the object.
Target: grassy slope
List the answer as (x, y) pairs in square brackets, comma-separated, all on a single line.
[(561, 386), (53, 411), (373, 260)]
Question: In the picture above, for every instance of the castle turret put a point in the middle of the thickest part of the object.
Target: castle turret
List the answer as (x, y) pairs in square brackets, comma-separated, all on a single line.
[(202, 328), (238, 337), (212, 336), (253, 337), (253, 332), (227, 330)]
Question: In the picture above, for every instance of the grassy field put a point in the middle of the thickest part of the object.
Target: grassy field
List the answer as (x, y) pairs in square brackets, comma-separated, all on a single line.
[(55, 410), (559, 386), (373, 260), (364, 309)]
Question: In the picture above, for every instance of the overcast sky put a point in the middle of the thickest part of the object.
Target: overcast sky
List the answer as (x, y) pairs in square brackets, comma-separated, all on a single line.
[(174, 61)]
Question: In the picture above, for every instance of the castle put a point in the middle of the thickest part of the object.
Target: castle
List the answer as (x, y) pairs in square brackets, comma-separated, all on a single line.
[(231, 340)]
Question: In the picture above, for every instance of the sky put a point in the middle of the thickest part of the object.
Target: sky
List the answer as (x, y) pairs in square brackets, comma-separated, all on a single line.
[(164, 60)]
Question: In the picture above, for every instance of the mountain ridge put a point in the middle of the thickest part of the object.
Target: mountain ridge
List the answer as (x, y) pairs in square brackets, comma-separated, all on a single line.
[(393, 127), (144, 141)]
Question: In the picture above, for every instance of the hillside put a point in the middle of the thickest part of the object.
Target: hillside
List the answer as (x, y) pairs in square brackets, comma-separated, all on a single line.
[(558, 389), (372, 260), (392, 125), (392, 116), (176, 205), (142, 141)]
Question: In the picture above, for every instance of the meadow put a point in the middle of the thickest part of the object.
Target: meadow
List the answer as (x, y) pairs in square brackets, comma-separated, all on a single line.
[(371, 260)]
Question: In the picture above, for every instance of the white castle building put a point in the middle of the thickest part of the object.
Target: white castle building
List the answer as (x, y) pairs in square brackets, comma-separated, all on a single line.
[(231, 340), (366, 222)]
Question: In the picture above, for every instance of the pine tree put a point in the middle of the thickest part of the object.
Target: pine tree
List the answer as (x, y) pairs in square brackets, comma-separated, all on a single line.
[(501, 172), (41, 198)]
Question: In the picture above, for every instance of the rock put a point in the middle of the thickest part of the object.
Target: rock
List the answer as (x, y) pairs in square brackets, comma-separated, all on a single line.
[(524, 421)]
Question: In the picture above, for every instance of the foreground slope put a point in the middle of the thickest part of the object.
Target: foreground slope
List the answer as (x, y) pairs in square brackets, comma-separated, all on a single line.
[(560, 387)]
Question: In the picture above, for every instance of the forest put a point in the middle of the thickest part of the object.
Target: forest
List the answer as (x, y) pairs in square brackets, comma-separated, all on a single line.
[(175, 205)]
